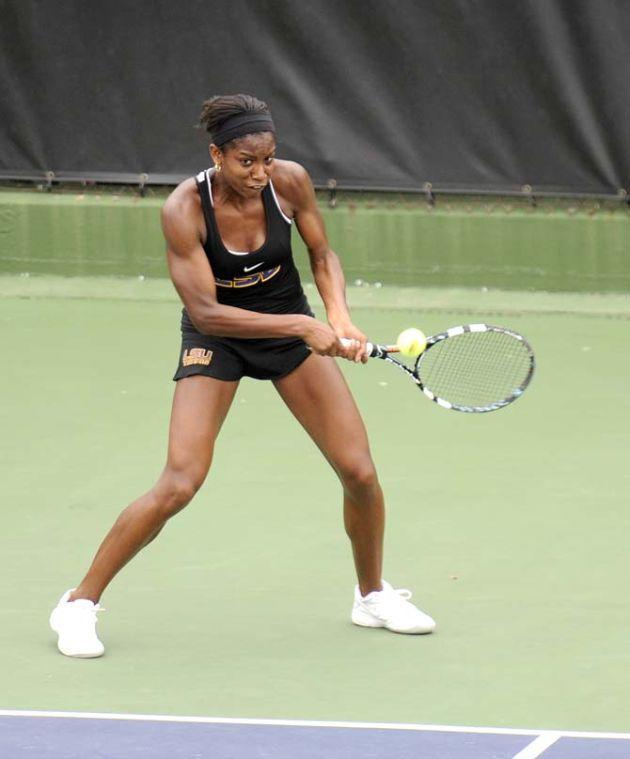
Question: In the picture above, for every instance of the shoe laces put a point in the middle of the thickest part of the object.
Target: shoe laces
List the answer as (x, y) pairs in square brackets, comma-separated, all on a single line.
[(390, 598), (394, 597), (93, 610)]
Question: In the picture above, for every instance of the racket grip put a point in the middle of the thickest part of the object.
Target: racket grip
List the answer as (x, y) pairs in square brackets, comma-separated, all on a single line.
[(347, 342), (373, 350)]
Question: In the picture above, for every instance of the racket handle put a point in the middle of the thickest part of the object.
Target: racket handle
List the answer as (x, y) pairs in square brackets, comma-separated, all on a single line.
[(373, 350)]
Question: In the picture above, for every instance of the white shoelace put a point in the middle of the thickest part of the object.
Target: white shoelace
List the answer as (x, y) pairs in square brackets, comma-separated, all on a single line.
[(393, 598), (94, 610), (389, 599)]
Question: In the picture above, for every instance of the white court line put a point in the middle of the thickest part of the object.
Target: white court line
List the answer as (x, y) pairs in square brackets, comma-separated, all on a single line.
[(311, 723), (537, 747)]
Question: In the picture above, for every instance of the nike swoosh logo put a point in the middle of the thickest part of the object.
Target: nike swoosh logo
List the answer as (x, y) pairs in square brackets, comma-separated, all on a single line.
[(251, 268)]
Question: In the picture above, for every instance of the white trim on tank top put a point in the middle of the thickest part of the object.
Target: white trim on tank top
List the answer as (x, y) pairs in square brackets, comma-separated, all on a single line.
[(275, 197), (273, 192)]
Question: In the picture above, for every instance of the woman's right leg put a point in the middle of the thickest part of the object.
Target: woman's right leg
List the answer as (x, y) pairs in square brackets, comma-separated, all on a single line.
[(200, 405)]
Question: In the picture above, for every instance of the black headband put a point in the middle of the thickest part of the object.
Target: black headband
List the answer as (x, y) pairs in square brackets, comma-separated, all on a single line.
[(241, 124)]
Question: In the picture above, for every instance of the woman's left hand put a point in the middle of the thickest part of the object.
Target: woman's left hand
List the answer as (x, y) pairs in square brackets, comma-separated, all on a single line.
[(357, 352)]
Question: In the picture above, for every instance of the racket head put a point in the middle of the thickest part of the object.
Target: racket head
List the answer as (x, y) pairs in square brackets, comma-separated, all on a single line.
[(475, 368)]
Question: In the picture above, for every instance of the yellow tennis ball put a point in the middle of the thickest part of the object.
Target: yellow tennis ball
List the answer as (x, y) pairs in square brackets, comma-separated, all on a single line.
[(411, 342)]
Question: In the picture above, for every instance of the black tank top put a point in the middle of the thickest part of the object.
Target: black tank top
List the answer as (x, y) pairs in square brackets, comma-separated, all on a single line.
[(264, 280)]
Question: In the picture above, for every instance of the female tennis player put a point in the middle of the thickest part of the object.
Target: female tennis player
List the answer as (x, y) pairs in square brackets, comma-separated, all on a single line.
[(228, 235)]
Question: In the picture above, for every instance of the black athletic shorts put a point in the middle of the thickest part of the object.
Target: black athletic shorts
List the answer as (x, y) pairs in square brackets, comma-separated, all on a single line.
[(230, 358)]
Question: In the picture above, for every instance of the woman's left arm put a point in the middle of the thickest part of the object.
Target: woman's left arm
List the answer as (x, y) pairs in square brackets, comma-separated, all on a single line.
[(325, 263)]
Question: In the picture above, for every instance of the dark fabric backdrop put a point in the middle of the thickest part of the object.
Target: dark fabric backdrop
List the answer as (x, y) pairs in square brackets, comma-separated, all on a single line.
[(487, 94)]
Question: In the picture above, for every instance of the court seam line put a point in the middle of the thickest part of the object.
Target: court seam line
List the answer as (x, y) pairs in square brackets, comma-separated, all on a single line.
[(473, 310), (314, 723), (537, 747)]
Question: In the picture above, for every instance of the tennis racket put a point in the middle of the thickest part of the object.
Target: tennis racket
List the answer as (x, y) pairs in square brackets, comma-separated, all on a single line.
[(473, 368)]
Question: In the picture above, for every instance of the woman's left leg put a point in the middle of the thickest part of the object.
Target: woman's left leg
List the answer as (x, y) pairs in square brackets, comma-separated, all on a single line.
[(318, 396)]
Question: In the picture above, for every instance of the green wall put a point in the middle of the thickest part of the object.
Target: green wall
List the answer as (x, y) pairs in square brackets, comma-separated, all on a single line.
[(394, 240)]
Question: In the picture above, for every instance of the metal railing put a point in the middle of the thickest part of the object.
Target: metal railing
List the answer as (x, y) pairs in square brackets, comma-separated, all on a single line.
[(46, 181)]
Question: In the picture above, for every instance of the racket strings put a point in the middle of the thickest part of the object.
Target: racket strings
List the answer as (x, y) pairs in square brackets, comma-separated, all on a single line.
[(476, 369)]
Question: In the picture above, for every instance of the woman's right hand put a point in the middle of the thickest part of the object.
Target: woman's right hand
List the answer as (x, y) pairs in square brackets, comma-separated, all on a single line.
[(322, 339)]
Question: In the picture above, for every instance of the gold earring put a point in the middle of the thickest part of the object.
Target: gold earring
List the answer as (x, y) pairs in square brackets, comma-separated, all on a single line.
[(217, 167)]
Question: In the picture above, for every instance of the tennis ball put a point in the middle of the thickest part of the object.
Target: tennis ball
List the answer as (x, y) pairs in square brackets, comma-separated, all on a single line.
[(411, 342)]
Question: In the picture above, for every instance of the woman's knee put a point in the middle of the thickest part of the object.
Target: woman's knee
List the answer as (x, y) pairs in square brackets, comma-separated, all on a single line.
[(358, 474), (175, 489)]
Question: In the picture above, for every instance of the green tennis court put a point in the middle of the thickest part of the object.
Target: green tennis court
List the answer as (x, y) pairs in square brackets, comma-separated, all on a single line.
[(465, 165), (509, 527)]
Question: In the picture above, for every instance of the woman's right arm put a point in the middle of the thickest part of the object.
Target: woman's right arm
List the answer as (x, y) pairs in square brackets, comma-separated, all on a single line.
[(194, 281)]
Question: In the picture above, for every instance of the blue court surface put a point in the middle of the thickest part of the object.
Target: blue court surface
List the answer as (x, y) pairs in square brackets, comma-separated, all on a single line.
[(59, 735)]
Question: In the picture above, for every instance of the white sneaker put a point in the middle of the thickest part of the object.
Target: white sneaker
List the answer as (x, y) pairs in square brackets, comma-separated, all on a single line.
[(390, 608), (75, 623)]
